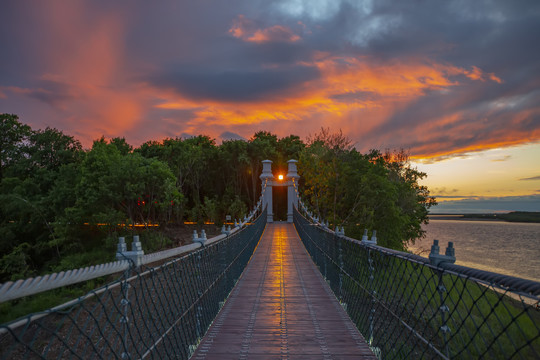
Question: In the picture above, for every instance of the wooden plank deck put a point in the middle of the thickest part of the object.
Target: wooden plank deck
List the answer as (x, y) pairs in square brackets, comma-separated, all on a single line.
[(282, 309)]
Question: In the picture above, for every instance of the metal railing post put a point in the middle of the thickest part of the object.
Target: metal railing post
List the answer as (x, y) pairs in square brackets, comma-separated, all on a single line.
[(373, 298), (437, 259), (341, 265), (124, 319), (199, 292), (371, 269), (445, 329), (135, 255), (124, 302)]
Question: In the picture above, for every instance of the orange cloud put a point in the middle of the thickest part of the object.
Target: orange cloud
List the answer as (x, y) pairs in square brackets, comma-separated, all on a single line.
[(89, 75), (358, 95), (83, 81), (246, 30), (454, 140), (86, 65), (347, 85), (477, 74)]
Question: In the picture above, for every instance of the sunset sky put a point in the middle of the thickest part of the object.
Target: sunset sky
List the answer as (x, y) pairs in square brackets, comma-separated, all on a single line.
[(456, 83)]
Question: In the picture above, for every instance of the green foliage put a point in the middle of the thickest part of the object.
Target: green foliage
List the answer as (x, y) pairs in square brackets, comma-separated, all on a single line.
[(210, 209), (36, 188), (235, 169), (16, 262), (82, 259), (50, 149), (372, 191), (154, 241), (122, 145), (118, 188), (289, 148), (237, 208), (63, 207), (12, 137)]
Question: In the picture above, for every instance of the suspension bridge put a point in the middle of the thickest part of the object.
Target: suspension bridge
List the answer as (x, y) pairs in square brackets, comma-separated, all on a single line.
[(280, 290)]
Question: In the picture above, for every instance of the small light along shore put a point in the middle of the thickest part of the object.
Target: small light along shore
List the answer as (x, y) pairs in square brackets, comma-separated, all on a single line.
[(514, 216)]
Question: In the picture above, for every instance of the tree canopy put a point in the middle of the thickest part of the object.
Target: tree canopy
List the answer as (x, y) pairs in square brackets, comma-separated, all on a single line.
[(364, 191), (58, 199)]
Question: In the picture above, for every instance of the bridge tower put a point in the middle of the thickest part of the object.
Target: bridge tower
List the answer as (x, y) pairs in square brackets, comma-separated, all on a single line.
[(267, 177), (290, 179), (292, 198)]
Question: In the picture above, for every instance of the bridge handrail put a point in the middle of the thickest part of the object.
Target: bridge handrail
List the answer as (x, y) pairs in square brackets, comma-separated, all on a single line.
[(400, 300), (12, 290), (159, 312), (526, 287), (16, 289)]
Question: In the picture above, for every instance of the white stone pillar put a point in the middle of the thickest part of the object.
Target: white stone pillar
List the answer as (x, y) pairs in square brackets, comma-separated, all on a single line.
[(268, 178), (292, 199)]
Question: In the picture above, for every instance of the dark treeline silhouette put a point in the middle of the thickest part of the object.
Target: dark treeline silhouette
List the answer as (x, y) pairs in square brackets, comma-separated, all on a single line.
[(62, 206)]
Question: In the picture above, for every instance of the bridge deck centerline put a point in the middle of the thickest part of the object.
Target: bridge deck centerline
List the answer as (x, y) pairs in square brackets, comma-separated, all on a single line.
[(282, 308)]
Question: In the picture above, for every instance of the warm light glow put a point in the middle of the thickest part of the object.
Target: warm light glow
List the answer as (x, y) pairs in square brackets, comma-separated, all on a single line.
[(280, 177)]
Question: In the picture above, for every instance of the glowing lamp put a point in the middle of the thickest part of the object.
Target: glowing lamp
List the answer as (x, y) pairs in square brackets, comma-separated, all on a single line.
[(280, 177)]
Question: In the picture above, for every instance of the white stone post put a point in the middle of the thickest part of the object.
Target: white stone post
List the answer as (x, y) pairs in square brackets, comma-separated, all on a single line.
[(292, 199), (267, 177)]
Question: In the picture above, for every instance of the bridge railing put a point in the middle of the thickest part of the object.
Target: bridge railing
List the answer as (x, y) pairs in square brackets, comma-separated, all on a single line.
[(149, 312), (16, 289), (410, 308)]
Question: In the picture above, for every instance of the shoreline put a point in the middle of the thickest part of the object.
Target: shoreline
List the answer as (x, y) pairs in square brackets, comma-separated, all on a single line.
[(516, 217), (460, 217)]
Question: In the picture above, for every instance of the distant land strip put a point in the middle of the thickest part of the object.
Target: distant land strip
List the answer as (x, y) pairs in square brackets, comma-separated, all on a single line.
[(514, 216)]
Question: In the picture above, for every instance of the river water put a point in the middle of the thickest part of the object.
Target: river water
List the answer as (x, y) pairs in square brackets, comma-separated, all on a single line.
[(497, 246)]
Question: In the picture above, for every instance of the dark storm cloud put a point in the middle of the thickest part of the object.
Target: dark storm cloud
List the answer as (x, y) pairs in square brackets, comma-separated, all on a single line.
[(483, 114), (460, 32), (235, 85), (291, 52), (531, 178), (53, 93), (277, 53)]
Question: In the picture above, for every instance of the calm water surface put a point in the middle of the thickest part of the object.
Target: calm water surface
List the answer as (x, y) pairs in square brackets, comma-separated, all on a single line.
[(503, 247)]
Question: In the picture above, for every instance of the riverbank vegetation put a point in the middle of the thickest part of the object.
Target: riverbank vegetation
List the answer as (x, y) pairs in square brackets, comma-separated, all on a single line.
[(63, 206), (514, 216), (376, 191)]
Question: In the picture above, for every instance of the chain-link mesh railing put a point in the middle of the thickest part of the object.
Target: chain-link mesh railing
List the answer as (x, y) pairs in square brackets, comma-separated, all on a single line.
[(157, 313), (408, 308)]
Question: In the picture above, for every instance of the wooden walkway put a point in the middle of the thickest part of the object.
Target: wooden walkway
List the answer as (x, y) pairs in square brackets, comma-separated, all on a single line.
[(282, 309)]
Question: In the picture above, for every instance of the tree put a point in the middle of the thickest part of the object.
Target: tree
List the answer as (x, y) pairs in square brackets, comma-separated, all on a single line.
[(202, 154), (153, 149), (54, 195), (289, 148), (371, 191), (29, 204), (122, 145), (118, 188), (51, 148), (262, 146), (12, 137), (235, 169)]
